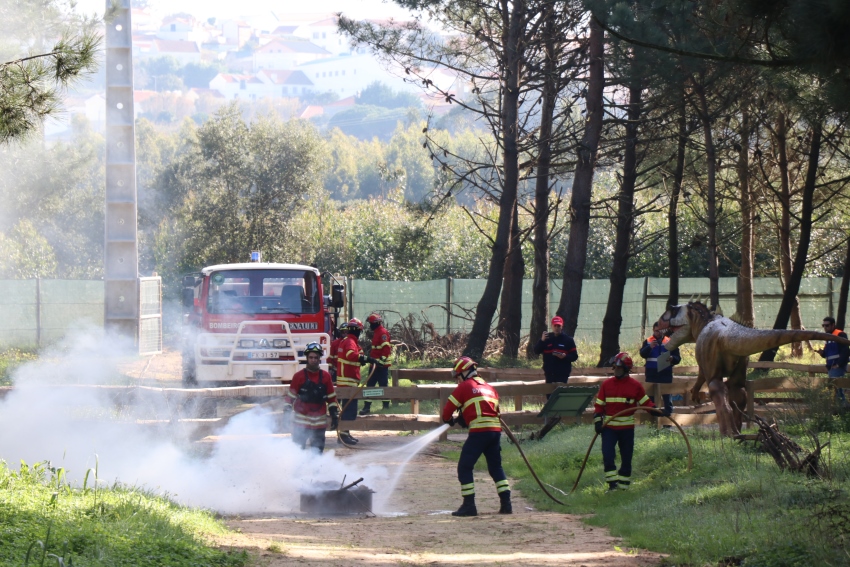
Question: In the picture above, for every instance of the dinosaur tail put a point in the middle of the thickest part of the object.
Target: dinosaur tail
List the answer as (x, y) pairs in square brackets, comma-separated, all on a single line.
[(769, 339)]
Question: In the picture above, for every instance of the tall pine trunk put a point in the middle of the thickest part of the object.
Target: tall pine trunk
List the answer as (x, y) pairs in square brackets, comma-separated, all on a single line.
[(785, 225), (540, 286), (570, 302), (711, 196), (792, 286), (625, 226), (510, 324), (488, 303), (672, 213), (840, 316), (745, 306)]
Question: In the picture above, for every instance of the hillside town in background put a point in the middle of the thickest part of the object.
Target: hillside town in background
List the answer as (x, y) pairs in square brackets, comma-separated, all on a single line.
[(298, 66)]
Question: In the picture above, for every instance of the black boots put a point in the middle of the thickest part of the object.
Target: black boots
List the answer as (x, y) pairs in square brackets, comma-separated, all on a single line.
[(346, 438), (467, 508), (367, 408), (505, 499)]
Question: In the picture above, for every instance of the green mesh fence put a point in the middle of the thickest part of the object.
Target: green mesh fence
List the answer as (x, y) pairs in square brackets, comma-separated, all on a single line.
[(40, 313), (449, 305)]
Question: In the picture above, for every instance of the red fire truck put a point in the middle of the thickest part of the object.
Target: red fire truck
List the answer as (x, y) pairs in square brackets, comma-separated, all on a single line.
[(249, 323)]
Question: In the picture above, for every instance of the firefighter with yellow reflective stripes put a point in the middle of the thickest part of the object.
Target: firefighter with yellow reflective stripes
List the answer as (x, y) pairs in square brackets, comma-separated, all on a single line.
[(478, 403), (349, 359), (615, 395), (311, 393), (381, 351)]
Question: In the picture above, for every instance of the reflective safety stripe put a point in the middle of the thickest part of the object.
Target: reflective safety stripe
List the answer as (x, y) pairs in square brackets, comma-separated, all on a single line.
[(347, 382), (470, 401), (467, 489), (382, 345), (315, 421), (833, 356), (643, 400), (622, 420), (611, 475), (600, 402), (454, 401), (625, 479), (344, 361), (617, 400), (652, 360), (485, 422), (502, 486)]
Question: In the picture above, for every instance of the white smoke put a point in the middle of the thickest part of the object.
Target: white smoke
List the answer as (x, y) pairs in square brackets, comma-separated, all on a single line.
[(249, 470)]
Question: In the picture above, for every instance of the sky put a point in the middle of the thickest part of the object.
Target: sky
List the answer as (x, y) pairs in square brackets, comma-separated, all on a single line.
[(229, 9)]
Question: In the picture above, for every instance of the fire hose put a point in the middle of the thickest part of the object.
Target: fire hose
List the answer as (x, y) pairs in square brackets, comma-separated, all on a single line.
[(511, 436), (348, 402)]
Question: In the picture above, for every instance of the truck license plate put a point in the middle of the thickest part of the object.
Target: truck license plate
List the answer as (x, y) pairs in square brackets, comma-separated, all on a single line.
[(262, 374), (263, 355)]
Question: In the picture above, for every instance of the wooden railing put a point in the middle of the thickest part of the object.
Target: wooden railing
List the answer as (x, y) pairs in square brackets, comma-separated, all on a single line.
[(514, 385)]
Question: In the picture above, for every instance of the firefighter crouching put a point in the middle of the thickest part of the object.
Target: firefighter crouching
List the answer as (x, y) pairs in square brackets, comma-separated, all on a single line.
[(381, 351), (615, 395), (479, 410), (349, 359), (310, 397)]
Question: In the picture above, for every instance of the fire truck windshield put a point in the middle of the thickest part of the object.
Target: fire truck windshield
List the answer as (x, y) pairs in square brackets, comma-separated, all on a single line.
[(263, 291)]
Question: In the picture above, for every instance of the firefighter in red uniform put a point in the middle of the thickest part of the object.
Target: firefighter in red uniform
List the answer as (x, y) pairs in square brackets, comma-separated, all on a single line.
[(381, 351), (479, 410), (332, 354), (349, 359), (312, 395), (615, 395)]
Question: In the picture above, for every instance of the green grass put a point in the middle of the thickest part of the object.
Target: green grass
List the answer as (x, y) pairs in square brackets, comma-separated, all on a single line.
[(734, 508), (44, 517), (11, 359)]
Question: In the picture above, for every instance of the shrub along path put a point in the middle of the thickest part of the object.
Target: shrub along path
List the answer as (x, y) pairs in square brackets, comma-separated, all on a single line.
[(418, 529)]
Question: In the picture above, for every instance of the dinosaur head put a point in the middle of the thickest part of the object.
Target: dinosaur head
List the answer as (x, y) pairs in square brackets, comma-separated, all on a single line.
[(676, 323)]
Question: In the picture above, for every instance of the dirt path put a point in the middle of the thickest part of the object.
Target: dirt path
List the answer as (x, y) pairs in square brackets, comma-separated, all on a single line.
[(424, 532)]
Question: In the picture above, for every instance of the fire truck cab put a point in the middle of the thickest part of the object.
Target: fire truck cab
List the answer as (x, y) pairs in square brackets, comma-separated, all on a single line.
[(249, 323)]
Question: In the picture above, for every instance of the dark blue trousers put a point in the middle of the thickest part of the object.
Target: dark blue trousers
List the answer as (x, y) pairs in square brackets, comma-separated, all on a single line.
[(611, 439), (485, 443), (668, 403)]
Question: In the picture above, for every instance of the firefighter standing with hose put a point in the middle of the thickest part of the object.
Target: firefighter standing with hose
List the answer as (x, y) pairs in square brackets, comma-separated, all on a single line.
[(349, 359), (478, 402), (615, 395), (311, 396), (381, 351)]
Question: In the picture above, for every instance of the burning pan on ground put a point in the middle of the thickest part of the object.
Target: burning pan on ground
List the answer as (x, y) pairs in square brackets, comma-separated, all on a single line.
[(328, 498)]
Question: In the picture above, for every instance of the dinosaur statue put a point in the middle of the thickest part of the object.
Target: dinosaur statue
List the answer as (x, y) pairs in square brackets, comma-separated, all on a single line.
[(723, 348)]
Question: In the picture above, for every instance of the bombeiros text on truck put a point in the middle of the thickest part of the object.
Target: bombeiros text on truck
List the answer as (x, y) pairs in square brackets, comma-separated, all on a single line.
[(249, 323)]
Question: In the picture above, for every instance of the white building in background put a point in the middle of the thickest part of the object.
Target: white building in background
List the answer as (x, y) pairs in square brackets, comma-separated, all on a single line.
[(285, 83), (325, 34), (287, 54), (266, 83), (184, 52), (182, 28), (347, 75), (235, 32)]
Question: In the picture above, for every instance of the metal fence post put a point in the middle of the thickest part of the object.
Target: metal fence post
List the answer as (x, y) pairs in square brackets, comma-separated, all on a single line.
[(449, 290), (37, 312), (351, 298), (829, 295)]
